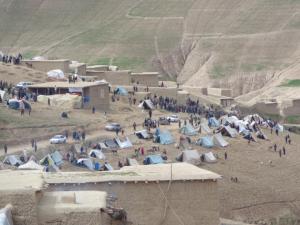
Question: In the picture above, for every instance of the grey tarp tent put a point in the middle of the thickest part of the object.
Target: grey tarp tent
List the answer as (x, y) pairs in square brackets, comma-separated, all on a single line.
[(146, 104), (189, 156), (205, 129), (95, 153), (13, 160), (31, 165), (86, 162), (124, 144), (209, 157), (188, 130), (228, 131), (219, 140)]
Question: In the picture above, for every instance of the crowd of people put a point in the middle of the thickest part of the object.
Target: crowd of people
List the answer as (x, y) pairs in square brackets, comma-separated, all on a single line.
[(11, 59)]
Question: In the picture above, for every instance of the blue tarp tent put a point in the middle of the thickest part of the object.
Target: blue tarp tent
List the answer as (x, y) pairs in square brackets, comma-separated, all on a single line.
[(188, 130), (213, 122), (164, 137), (206, 142), (121, 91), (57, 158), (153, 159), (15, 104)]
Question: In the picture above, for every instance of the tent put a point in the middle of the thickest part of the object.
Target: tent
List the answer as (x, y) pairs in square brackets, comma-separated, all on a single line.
[(111, 143), (57, 158), (205, 128), (86, 162), (209, 157), (146, 104), (13, 160), (5, 216), (15, 104), (143, 134), (97, 154), (279, 127), (206, 142), (219, 140), (213, 122), (38, 58), (121, 91), (125, 144), (4, 95), (56, 74), (261, 135), (31, 165), (153, 159), (228, 131), (164, 137), (49, 162), (189, 156), (108, 167), (132, 162), (188, 130)]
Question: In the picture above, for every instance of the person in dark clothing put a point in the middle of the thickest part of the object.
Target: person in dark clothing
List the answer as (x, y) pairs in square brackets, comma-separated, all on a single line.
[(290, 141), (32, 143), (225, 155), (49, 101), (283, 150), (150, 113), (5, 149), (35, 147), (93, 109), (83, 135), (280, 153), (134, 126), (275, 147)]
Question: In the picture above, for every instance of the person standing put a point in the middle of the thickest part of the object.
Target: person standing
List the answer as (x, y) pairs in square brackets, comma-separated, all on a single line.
[(283, 150), (134, 126), (48, 101), (83, 135), (5, 149), (280, 153), (225, 155), (179, 123), (275, 147), (32, 143), (93, 110), (35, 146)]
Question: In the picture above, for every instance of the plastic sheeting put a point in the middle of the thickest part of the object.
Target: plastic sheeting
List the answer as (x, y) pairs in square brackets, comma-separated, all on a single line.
[(57, 158), (56, 74), (164, 137), (97, 154), (125, 144), (5, 216), (209, 157), (153, 159), (146, 104), (87, 162), (188, 130), (121, 91), (31, 165), (219, 140), (13, 160), (189, 156), (206, 142), (213, 122)]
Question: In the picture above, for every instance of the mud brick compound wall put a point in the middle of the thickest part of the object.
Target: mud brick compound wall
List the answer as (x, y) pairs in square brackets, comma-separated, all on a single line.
[(47, 65)]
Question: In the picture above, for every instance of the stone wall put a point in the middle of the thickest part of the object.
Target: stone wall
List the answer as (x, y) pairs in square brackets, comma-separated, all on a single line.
[(194, 202), (147, 79), (47, 65), (120, 77), (24, 210)]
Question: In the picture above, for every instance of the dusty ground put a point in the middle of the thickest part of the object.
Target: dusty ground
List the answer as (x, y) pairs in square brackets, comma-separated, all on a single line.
[(264, 191)]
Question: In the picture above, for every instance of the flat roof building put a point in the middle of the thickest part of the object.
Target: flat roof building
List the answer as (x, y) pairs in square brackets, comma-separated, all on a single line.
[(47, 65), (94, 94)]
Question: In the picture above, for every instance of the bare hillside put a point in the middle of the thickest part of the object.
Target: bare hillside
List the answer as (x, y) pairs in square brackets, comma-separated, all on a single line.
[(198, 41)]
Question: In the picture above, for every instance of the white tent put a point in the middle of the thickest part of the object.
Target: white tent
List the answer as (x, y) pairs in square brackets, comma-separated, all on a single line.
[(87, 162), (146, 104), (31, 165), (12, 160), (5, 216), (125, 144), (38, 58), (132, 162), (205, 128), (4, 95), (220, 141), (190, 156), (97, 154), (209, 157), (227, 130), (56, 74)]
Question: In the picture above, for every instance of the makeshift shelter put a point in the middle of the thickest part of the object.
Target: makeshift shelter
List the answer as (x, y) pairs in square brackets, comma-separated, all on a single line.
[(57, 158), (189, 156), (56, 74), (206, 142), (125, 144), (111, 144), (121, 91), (153, 159), (13, 160), (131, 162), (213, 122), (205, 128), (108, 167), (261, 135), (188, 129), (97, 154), (279, 127), (31, 165), (5, 216), (219, 140), (143, 134), (146, 104), (16, 104), (4, 95), (209, 157), (86, 162), (49, 163), (164, 137), (228, 131), (134, 139)]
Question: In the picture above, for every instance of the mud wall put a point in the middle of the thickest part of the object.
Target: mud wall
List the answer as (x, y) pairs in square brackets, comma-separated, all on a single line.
[(98, 96), (147, 79), (78, 68), (120, 77), (267, 108), (47, 65), (193, 202), (24, 210)]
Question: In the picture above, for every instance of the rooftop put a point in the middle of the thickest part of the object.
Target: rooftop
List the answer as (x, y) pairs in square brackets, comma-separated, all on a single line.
[(22, 180), (45, 60), (159, 172), (66, 84)]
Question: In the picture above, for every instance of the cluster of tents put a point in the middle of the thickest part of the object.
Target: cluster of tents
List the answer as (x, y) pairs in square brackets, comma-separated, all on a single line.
[(18, 104), (195, 158)]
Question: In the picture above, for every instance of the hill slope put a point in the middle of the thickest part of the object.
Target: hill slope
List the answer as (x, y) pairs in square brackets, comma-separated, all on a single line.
[(196, 40)]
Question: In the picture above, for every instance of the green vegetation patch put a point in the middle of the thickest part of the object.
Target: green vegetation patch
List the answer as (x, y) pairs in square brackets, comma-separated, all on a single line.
[(292, 83), (101, 61), (293, 119), (219, 71), (29, 54), (253, 67)]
